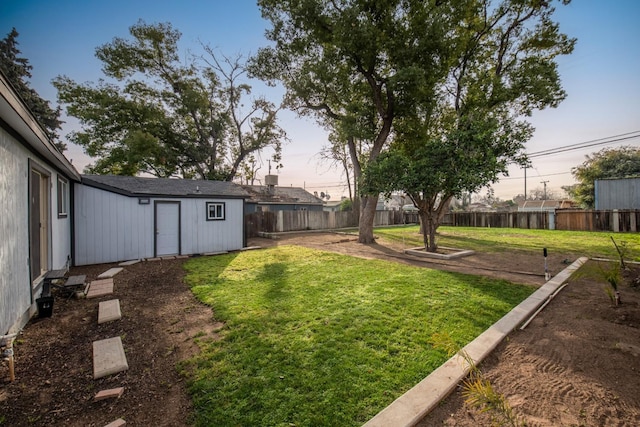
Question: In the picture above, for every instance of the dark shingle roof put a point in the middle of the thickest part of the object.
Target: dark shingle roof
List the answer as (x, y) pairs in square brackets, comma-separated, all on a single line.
[(138, 186), (296, 195)]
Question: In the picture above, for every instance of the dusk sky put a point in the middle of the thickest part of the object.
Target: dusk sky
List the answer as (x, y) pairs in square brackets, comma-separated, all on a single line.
[(601, 77)]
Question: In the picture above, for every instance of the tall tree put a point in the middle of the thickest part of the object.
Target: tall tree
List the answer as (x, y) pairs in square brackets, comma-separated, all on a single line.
[(358, 65), (504, 68), (166, 117), (623, 162), (18, 72)]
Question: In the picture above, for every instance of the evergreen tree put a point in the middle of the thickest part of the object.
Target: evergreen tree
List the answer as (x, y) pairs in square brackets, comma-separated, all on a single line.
[(18, 72)]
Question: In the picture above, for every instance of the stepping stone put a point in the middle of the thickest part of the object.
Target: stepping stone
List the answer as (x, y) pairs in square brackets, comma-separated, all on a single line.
[(99, 288), (117, 423), (108, 357), (127, 263), (109, 394), (110, 272), (108, 311)]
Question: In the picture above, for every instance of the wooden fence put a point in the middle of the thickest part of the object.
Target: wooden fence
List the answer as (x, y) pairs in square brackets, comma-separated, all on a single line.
[(561, 219), (283, 221)]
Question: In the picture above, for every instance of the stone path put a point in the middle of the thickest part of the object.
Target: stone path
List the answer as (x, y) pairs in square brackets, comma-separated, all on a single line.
[(108, 357), (108, 354), (109, 311), (100, 288)]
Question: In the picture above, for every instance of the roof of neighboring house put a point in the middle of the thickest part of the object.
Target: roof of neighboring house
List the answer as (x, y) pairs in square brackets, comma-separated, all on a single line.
[(544, 204), (280, 195), (17, 115), (140, 186)]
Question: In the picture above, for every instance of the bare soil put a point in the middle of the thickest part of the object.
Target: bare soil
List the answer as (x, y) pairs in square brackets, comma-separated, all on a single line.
[(577, 363)]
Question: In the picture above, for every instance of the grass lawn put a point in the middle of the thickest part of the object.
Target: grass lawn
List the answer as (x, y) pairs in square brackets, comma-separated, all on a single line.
[(583, 243), (314, 338)]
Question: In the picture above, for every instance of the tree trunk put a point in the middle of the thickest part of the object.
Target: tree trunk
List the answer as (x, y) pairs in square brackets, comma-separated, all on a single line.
[(367, 216), (432, 226), (428, 229)]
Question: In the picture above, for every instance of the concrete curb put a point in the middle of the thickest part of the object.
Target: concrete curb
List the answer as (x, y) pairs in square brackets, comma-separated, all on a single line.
[(411, 407)]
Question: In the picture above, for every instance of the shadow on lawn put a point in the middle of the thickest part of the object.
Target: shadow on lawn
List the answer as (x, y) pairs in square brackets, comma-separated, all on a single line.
[(275, 274)]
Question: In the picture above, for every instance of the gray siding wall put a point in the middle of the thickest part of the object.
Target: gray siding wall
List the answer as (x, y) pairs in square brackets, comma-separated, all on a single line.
[(110, 227), (200, 236), (617, 194), (15, 285), (15, 290)]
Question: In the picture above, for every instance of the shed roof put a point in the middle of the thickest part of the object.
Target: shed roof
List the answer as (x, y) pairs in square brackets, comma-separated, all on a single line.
[(171, 187), (281, 195)]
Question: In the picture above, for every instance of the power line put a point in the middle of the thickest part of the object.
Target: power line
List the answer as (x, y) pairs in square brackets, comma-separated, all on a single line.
[(587, 144), (510, 178)]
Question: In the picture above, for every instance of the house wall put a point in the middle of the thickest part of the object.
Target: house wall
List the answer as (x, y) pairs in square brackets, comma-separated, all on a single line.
[(17, 293), (111, 227)]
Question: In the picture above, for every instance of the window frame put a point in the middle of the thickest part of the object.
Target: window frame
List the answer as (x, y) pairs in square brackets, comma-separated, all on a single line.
[(223, 208), (62, 197)]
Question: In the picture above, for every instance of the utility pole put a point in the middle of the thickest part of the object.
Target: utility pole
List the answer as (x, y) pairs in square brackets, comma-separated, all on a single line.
[(545, 189)]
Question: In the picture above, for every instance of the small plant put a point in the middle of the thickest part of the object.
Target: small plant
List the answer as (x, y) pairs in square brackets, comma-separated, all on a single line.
[(622, 251), (478, 392), (613, 277)]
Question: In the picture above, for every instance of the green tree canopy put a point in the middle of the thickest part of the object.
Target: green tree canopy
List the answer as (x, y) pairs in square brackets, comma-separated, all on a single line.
[(168, 116), (623, 162), (18, 72), (502, 69), (358, 65)]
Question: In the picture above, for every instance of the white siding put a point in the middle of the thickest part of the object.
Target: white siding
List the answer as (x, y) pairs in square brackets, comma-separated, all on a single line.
[(110, 227), (15, 284), (15, 290), (60, 228), (200, 236)]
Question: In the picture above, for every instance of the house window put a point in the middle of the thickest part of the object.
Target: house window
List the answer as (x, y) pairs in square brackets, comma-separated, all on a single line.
[(215, 211), (63, 198)]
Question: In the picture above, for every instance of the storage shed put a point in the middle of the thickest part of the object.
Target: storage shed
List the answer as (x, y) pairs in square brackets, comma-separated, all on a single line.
[(621, 193), (35, 220), (119, 218)]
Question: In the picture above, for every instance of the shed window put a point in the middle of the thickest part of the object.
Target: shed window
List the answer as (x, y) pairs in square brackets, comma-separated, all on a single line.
[(215, 211), (63, 198)]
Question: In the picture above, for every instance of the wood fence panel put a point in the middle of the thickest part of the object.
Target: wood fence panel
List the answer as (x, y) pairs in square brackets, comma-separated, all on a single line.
[(573, 220), (257, 222)]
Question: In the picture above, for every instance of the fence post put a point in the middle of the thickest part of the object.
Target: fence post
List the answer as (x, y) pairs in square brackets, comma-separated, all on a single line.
[(280, 221), (615, 218)]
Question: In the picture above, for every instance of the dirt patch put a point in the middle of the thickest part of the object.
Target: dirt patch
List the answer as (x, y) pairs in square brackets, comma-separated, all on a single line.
[(54, 361), (577, 363)]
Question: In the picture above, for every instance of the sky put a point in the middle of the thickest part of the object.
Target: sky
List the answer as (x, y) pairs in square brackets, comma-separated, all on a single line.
[(601, 77)]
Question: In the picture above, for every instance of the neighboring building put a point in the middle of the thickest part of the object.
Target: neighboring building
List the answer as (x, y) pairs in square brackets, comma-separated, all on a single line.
[(544, 205), (623, 193), (332, 205), (270, 197), (35, 220), (120, 218)]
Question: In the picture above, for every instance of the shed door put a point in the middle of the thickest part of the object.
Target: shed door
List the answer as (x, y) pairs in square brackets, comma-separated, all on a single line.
[(167, 228)]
